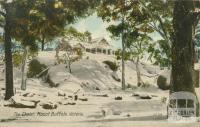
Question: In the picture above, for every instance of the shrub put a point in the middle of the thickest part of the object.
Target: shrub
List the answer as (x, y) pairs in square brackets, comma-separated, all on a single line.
[(17, 59), (112, 65), (35, 67)]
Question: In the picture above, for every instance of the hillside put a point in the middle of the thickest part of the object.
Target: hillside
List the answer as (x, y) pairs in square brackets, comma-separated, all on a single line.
[(93, 73), (90, 93)]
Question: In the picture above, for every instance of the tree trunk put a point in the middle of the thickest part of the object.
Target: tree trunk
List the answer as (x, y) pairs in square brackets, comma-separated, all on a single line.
[(123, 56), (43, 43), (8, 56), (139, 79), (69, 62), (183, 47), (23, 82)]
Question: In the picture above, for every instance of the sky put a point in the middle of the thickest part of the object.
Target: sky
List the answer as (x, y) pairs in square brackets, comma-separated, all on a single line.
[(97, 27)]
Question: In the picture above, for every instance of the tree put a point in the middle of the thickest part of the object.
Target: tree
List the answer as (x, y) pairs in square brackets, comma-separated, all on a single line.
[(138, 47), (160, 20), (137, 42), (115, 14), (130, 14), (59, 12), (21, 31), (160, 14), (7, 16), (71, 34), (185, 19), (52, 16)]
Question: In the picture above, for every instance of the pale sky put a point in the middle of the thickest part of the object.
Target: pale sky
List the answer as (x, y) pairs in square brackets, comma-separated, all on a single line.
[(97, 27)]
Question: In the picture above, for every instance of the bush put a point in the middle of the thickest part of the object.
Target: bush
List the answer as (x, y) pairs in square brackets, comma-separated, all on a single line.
[(35, 67), (17, 59), (112, 65)]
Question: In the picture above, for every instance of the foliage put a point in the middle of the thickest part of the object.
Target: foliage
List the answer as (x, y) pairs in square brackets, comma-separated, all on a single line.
[(160, 13), (145, 16), (43, 20), (34, 68), (112, 65), (17, 59), (138, 46), (119, 56), (135, 25), (71, 33), (197, 36)]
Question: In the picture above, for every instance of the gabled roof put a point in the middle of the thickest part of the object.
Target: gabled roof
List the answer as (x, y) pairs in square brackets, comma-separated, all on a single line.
[(100, 43), (99, 40), (94, 43)]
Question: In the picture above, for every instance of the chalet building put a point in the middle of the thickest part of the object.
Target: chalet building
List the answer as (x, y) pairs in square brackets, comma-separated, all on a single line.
[(96, 46)]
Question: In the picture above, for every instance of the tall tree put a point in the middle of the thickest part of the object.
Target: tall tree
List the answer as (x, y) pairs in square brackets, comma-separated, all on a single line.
[(7, 15), (22, 33), (127, 14), (185, 19), (53, 15), (137, 42), (59, 12), (160, 19), (138, 47)]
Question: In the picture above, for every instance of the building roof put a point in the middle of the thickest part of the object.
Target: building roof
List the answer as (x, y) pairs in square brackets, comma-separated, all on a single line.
[(94, 43)]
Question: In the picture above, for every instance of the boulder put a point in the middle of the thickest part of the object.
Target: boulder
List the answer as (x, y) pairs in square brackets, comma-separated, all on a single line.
[(48, 105), (57, 75), (116, 112), (17, 102), (68, 103), (71, 103), (145, 96), (83, 99), (115, 77), (163, 81), (29, 94), (101, 95), (136, 94), (118, 98), (61, 93), (75, 97), (30, 99), (154, 95), (42, 95)]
